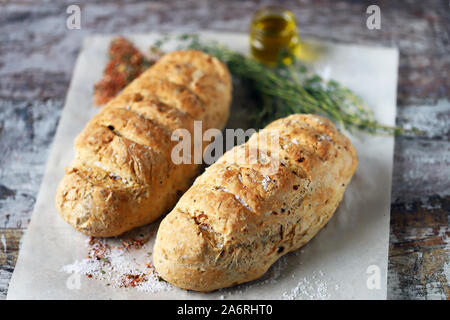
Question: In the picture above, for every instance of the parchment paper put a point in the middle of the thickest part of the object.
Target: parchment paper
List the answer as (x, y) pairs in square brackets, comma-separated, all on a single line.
[(342, 262)]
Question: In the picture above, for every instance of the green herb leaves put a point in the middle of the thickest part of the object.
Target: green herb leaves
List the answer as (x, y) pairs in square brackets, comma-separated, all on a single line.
[(288, 89)]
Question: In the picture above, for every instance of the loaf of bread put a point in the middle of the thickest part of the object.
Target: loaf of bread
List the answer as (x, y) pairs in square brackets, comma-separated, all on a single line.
[(123, 175), (241, 215)]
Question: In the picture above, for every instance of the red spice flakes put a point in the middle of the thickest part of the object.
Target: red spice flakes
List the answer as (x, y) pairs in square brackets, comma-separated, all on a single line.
[(202, 216), (97, 249), (125, 64), (132, 280), (91, 240), (134, 243)]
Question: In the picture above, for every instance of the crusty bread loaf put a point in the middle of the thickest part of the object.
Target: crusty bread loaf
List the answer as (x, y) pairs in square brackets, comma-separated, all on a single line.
[(240, 216), (123, 176)]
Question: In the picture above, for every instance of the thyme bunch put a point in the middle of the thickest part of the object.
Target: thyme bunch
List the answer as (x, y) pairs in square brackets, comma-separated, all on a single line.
[(287, 89)]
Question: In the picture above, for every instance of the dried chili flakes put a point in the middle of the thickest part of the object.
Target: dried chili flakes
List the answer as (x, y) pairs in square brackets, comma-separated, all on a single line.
[(132, 280), (125, 64)]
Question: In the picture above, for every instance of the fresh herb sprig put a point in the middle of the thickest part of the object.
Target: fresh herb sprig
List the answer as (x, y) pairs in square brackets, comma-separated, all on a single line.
[(287, 89)]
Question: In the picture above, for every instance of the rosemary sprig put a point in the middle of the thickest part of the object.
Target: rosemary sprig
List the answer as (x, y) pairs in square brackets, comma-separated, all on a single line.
[(288, 89)]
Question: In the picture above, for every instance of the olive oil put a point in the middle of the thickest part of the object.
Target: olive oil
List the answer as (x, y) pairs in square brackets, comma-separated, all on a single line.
[(272, 30)]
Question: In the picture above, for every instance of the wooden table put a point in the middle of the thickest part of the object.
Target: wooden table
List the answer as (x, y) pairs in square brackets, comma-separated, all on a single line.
[(37, 55)]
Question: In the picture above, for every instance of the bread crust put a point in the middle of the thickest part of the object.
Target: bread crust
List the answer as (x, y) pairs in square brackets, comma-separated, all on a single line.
[(122, 175), (236, 220)]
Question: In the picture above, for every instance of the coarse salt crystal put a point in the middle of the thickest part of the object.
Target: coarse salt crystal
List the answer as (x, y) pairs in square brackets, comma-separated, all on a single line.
[(265, 182)]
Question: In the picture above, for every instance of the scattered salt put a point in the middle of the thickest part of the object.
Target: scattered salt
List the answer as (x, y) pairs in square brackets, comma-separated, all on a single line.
[(241, 201), (265, 182), (114, 176), (315, 288), (121, 263), (206, 227), (98, 164)]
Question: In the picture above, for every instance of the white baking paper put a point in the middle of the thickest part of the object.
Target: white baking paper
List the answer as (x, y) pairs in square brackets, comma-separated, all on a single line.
[(346, 260)]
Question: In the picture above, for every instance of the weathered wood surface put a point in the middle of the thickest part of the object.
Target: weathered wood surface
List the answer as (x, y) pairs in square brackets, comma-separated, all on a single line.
[(37, 55)]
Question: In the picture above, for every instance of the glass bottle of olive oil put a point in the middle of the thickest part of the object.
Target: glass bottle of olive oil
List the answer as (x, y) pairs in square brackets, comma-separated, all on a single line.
[(273, 29)]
